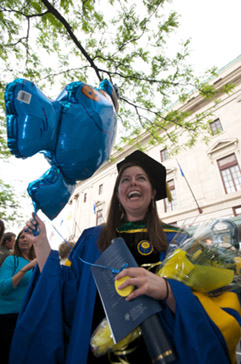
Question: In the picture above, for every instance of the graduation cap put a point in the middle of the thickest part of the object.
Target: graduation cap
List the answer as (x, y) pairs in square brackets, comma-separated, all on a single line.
[(155, 171)]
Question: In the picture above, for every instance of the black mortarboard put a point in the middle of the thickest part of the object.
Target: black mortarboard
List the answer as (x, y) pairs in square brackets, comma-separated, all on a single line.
[(155, 171)]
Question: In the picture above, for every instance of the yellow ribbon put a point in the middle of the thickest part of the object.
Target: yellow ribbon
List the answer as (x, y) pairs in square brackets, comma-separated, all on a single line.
[(226, 323)]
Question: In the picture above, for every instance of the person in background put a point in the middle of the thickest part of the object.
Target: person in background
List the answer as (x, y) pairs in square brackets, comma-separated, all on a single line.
[(64, 251), (2, 229), (6, 246), (15, 274), (239, 236), (62, 307)]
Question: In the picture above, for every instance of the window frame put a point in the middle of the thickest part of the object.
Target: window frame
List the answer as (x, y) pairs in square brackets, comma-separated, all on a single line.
[(173, 203), (227, 166), (101, 189), (164, 155), (218, 127), (99, 215), (235, 208)]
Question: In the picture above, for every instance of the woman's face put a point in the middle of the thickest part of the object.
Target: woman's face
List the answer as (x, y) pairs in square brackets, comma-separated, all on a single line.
[(135, 193), (24, 244)]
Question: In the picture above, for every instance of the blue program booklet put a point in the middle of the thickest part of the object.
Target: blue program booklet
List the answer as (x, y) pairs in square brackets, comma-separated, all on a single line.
[(123, 316)]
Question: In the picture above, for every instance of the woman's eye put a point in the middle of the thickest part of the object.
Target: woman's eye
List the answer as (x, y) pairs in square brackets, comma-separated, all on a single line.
[(141, 178), (125, 179)]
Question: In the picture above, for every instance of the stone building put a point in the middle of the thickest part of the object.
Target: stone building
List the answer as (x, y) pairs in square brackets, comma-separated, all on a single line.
[(205, 181)]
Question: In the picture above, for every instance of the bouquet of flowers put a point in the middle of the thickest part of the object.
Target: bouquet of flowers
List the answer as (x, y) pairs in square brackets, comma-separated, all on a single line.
[(204, 262)]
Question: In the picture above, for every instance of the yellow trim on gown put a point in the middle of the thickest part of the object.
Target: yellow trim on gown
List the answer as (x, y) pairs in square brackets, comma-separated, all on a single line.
[(226, 323)]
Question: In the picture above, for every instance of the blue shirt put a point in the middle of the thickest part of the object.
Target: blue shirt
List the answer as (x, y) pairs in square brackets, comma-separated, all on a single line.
[(11, 298)]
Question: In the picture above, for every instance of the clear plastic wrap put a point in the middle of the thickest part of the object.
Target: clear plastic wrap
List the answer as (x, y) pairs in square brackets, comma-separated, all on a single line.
[(205, 262)]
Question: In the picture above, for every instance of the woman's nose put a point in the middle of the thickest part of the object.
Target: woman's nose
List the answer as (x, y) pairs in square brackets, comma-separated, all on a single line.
[(133, 181)]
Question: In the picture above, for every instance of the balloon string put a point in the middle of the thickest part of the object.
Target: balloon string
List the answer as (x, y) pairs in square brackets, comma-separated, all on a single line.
[(36, 232), (114, 271)]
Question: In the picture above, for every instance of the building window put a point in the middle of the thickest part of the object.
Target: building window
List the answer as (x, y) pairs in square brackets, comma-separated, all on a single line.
[(100, 189), (170, 206), (164, 155), (216, 127), (99, 217), (237, 210), (85, 197), (230, 172)]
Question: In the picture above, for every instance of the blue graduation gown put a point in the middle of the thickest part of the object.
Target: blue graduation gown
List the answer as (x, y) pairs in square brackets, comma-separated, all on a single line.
[(55, 322)]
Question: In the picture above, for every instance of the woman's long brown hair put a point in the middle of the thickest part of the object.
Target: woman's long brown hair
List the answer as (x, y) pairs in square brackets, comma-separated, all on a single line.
[(17, 251), (116, 216)]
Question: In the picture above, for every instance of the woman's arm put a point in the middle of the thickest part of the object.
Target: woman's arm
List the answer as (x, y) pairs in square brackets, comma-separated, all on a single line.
[(6, 272), (20, 274), (149, 284), (40, 241)]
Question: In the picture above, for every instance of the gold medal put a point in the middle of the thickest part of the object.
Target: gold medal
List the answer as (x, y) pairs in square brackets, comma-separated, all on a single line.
[(145, 247)]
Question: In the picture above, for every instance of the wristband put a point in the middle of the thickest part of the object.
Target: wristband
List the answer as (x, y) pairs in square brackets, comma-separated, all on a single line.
[(167, 287)]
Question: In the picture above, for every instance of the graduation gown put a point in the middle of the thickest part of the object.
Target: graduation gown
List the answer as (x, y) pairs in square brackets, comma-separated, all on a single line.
[(55, 322)]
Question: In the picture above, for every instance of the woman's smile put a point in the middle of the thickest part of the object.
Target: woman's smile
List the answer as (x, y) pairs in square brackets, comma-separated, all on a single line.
[(134, 195)]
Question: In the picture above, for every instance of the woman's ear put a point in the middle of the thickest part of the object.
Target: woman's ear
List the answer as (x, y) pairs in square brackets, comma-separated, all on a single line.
[(153, 194)]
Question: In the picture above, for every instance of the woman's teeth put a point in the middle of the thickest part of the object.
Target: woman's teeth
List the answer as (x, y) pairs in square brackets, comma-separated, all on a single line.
[(134, 194)]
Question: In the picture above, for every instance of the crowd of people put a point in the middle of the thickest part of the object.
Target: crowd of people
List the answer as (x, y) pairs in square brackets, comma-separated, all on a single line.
[(61, 307), (17, 260)]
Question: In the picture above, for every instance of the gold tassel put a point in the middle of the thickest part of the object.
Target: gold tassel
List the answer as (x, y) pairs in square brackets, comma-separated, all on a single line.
[(169, 195)]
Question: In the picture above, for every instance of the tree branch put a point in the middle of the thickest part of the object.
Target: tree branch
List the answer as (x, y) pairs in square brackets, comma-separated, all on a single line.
[(63, 21)]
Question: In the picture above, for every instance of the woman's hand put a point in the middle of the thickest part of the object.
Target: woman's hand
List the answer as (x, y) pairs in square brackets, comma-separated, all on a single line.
[(35, 224), (146, 283), (30, 265), (40, 240), (21, 273)]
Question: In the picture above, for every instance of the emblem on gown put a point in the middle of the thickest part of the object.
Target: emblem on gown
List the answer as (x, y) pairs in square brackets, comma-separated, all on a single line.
[(145, 247)]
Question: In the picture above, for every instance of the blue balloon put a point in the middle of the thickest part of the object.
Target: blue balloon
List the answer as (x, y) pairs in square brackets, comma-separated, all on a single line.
[(75, 132)]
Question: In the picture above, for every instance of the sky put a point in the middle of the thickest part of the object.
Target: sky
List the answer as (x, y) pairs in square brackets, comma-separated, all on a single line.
[(214, 28)]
